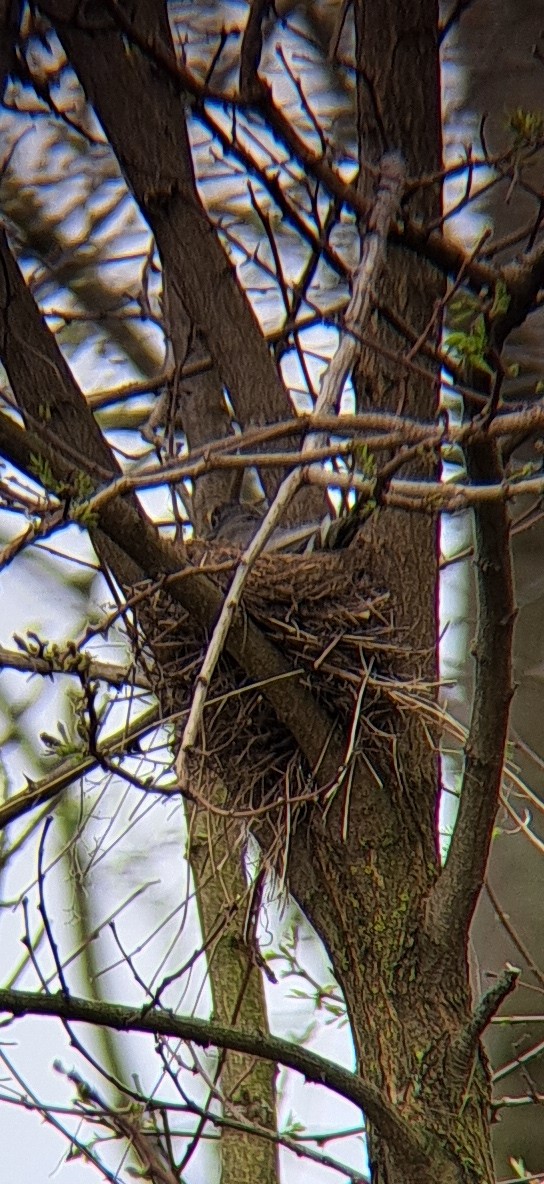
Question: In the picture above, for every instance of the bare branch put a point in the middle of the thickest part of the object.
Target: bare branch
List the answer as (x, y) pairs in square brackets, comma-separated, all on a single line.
[(445, 254), (400, 1135), (365, 283), (39, 792), (204, 296), (9, 34), (465, 1047), (138, 539), (454, 897), (252, 45), (36, 659)]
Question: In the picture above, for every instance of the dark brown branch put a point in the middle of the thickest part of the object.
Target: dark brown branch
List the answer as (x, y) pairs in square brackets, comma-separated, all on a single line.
[(9, 33), (490, 1002), (446, 255), (34, 658), (465, 1048), (137, 538), (203, 294), (252, 46), (401, 1137), (43, 384), (40, 376), (524, 280), (95, 1105), (232, 146), (42, 907), (70, 770), (381, 430), (454, 897), (126, 1124)]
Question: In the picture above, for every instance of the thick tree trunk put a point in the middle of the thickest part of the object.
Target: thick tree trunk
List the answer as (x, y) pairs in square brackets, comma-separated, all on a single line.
[(407, 993)]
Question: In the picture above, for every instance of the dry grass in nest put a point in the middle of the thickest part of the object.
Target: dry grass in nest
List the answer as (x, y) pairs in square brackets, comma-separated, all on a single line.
[(321, 613)]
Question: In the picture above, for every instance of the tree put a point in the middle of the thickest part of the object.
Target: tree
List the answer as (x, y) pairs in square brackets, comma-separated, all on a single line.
[(297, 690)]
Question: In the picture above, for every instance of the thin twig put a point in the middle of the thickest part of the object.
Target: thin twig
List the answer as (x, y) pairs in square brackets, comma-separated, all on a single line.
[(43, 909), (67, 662)]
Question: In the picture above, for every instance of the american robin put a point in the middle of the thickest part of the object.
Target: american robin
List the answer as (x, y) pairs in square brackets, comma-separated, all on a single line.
[(237, 523), (234, 523)]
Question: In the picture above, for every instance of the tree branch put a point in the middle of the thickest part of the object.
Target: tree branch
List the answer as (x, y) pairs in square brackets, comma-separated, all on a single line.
[(453, 898), (294, 705), (39, 375), (9, 34), (201, 283), (379, 430), (465, 1047), (234, 1120), (401, 1137), (70, 770), (365, 279), (443, 253), (35, 658), (252, 45)]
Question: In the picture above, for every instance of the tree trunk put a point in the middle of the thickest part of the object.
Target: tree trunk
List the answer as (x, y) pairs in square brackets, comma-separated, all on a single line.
[(407, 992)]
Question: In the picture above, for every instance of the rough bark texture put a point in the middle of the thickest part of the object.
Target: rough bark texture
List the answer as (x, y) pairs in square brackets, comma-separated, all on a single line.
[(216, 855), (52, 392), (407, 993)]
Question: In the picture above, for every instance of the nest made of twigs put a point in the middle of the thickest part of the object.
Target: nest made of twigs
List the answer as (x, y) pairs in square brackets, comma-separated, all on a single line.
[(319, 609)]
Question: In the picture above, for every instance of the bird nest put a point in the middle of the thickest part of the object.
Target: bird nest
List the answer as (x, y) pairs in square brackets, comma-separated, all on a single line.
[(334, 629)]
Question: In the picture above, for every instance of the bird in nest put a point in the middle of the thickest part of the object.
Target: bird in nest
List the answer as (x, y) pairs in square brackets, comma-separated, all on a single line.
[(236, 523)]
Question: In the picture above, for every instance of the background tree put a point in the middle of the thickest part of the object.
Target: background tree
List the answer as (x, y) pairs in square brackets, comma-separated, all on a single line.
[(265, 152)]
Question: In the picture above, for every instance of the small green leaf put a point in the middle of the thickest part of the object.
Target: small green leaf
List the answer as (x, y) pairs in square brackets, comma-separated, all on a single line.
[(74, 1152), (470, 348), (41, 469), (462, 309), (527, 126), (365, 461), (501, 301)]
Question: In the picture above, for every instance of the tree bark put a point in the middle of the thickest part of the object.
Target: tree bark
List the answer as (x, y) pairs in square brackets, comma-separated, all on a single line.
[(216, 854), (407, 993)]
